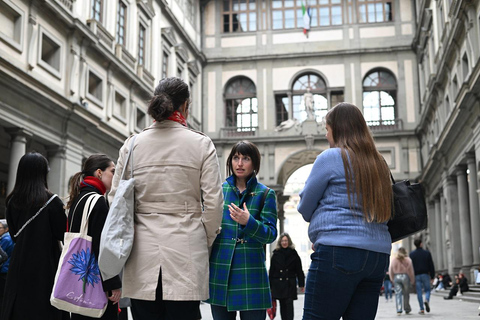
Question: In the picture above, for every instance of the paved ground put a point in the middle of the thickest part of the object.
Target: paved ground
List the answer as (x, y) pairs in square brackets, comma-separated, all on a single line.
[(440, 309)]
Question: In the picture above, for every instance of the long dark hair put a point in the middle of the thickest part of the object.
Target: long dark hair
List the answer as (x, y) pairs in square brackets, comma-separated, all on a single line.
[(370, 180), (94, 162), (169, 96), (31, 188), (245, 148)]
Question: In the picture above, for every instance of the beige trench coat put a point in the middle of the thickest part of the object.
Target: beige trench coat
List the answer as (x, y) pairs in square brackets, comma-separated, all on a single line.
[(174, 168)]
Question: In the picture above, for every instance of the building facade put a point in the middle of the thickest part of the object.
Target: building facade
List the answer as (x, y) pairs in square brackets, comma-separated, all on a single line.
[(76, 76), (268, 80), (448, 50)]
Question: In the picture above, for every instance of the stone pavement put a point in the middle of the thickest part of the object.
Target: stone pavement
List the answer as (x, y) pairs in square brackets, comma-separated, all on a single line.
[(440, 309)]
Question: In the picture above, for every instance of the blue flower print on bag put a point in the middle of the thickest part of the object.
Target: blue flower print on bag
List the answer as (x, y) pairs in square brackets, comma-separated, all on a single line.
[(85, 265)]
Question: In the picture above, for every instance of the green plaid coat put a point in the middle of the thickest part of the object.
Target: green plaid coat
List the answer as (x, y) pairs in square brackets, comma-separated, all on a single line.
[(238, 277)]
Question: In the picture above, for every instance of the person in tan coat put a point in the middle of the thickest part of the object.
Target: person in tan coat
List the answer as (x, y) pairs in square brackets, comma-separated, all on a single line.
[(402, 275), (178, 210)]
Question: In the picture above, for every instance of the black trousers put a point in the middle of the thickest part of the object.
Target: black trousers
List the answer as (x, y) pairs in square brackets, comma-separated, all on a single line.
[(286, 309), (164, 309)]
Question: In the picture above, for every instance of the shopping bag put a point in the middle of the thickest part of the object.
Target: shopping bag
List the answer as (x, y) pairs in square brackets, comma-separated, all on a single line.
[(116, 241), (78, 285), (409, 211)]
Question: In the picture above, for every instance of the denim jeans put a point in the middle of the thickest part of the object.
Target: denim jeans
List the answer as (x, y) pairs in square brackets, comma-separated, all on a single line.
[(221, 313), (344, 282), (422, 282), (387, 286), (402, 292)]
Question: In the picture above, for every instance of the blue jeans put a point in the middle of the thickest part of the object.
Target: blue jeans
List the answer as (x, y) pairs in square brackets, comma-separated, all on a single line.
[(387, 285), (221, 313), (344, 282), (422, 281)]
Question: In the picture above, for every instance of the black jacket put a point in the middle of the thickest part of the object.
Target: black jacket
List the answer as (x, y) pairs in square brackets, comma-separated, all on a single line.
[(285, 268), (422, 262), (34, 262), (95, 226)]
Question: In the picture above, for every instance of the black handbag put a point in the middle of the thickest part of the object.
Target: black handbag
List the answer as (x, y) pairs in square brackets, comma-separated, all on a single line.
[(409, 210)]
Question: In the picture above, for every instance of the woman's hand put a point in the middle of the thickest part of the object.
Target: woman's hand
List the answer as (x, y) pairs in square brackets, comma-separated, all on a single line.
[(239, 215), (116, 295)]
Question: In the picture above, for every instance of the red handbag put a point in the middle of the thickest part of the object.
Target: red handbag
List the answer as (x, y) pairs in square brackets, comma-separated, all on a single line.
[(272, 312)]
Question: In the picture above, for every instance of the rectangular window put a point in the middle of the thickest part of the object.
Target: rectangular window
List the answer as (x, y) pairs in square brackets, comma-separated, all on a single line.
[(281, 106), (140, 121), (120, 106), (372, 11), (141, 44), (190, 11), (11, 21), (165, 65), (95, 86), (290, 14), (97, 8), (50, 52), (121, 22), (239, 15)]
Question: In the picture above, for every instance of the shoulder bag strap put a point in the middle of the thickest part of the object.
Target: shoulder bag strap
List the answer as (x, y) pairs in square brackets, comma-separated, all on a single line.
[(89, 205), (76, 205), (265, 193), (129, 155), (36, 214)]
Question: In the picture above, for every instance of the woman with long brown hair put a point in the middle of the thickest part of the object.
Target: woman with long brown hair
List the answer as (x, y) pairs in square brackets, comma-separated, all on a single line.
[(347, 199)]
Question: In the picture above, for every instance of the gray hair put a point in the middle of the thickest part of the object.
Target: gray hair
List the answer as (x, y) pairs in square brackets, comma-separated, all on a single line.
[(4, 223)]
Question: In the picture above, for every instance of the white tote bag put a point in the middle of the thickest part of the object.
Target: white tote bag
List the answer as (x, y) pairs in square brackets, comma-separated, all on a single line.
[(117, 235)]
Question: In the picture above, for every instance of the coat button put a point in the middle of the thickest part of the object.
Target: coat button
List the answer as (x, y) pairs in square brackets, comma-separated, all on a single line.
[(280, 279), (281, 270)]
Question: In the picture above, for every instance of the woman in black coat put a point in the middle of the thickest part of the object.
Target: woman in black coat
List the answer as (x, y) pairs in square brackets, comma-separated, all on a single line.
[(96, 177), (36, 253), (285, 269)]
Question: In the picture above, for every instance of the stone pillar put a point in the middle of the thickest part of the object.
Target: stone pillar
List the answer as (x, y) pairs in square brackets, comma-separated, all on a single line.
[(464, 214), (17, 150), (474, 209), (57, 181), (281, 199), (445, 232), (432, 230), (453, 219), (438, 235)]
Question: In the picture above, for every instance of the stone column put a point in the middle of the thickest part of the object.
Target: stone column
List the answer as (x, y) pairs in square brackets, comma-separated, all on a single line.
[(453, 218), (57, 180), (463, 210), (438, 235), (17, 150), (474, 208), (281, 199), (432, 230), (445, 232)]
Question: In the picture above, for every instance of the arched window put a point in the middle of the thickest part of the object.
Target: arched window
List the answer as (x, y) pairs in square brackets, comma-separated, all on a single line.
[(316, 86), (379, 94), (241, 104)]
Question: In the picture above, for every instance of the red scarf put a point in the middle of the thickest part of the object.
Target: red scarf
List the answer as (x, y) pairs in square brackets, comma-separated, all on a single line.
[(178, 117), (91, 181)]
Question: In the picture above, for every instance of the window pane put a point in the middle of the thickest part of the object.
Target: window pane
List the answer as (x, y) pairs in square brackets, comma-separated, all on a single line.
[(336, 15), (386, 99), (388, 12), (277, 20), (363, 13), (226, 23), (379, 12), (371, 12), (251, 5), (276, 3), (243, 21), (226, 5), (243, 5), (253, 22), (324, 16), (288, 3), (289, 19)]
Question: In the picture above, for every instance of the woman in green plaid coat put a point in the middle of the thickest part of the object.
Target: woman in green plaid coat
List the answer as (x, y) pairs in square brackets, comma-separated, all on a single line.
[(238, 277)]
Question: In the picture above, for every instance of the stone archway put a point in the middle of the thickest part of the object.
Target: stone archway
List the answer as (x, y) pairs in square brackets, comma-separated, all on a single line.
[(293, 162)]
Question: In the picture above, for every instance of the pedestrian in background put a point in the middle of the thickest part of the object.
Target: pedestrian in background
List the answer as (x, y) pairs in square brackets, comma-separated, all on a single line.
[(95, 177), (34, 260), (348, 200), (178, 200), (387, 286), (285, 269), (238, 276), (424, 274), (402, 275), (6, 244)]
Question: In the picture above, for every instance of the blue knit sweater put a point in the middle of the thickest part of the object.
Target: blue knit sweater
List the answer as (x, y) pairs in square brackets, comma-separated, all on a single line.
[(324, 203)]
